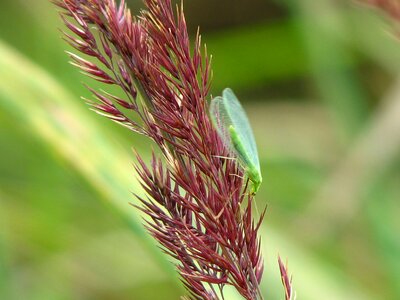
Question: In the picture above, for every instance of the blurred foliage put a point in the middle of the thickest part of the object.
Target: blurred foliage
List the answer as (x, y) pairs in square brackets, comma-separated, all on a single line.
[(318, 79)]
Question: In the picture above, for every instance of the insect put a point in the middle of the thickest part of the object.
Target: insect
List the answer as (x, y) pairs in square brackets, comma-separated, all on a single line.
[(233, 127)]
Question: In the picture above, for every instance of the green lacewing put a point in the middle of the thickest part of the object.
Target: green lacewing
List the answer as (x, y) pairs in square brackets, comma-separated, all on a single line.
[(233, 127)]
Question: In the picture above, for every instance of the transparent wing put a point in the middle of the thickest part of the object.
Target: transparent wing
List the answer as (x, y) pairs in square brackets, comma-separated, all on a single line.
[(221, 121), (234, 114)]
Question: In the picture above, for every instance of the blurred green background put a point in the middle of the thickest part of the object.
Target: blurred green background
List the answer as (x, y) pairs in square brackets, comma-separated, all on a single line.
[(320, 81)]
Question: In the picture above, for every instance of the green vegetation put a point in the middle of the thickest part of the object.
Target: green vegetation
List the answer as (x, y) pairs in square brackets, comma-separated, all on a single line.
[(318, 84)]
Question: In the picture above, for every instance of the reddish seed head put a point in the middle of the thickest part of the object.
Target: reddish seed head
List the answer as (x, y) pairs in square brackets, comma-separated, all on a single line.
[(200, 210)]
